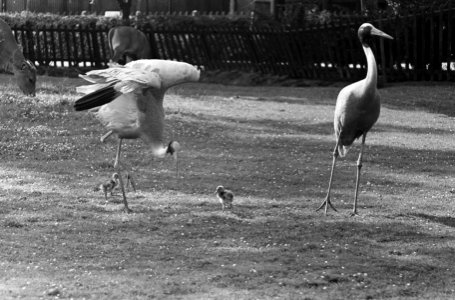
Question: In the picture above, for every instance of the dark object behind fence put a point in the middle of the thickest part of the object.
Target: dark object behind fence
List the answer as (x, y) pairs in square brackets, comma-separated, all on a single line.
[(422, 49)]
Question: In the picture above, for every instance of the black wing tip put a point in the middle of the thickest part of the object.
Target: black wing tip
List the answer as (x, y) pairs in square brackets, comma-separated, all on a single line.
[(96, 98)]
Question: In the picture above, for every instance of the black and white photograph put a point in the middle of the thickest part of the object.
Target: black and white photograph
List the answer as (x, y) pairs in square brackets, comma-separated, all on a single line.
[(227, 149)]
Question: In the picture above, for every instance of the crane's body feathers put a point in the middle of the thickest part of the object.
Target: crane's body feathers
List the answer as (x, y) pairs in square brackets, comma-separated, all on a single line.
[(353, 115)]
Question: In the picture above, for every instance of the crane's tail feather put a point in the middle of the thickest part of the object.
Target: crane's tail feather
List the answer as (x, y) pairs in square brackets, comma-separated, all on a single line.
[(97, 98), (343, 150)]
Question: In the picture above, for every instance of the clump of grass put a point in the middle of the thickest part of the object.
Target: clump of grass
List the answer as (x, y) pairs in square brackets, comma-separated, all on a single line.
[(13, 223)]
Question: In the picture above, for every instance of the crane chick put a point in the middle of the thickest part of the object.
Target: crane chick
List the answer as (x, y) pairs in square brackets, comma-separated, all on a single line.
[(108, 186), (225, 196)]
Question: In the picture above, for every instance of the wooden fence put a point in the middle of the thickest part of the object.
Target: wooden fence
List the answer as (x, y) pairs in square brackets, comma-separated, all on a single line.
[(422, 49)]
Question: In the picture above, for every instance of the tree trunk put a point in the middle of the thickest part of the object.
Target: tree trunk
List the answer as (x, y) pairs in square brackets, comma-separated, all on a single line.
[(232, 6), (125, 6), (272, 7), (362, 6)]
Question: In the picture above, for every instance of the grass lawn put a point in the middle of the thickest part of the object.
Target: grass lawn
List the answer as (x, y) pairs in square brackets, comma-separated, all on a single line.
[(272, 146)]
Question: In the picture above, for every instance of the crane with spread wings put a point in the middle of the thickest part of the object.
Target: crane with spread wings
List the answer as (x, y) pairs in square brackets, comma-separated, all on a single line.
[(128, 100)]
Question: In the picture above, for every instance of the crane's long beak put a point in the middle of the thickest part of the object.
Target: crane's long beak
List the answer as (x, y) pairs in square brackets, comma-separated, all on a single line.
[(375, 31)]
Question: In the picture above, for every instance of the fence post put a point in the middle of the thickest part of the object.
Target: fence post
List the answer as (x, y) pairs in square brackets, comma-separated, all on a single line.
[(95, 44), (30, 42), (449, 39), (67, 43), (383, 64)]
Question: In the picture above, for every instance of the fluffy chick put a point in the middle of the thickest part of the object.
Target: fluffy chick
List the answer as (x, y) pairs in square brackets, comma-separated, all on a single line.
[(109, 186), (225, 196)]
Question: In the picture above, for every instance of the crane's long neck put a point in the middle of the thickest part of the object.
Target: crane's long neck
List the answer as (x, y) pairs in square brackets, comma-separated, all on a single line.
[(372, 70)]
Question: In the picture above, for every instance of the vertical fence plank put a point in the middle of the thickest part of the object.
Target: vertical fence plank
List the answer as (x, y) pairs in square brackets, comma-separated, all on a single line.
[(61, 49), (46, 46), (440, 42), (415, 48), (407, 47), (39, 53), (90, 47), (160, 51), (424, 46), (382, 57), (78, 42), (449, 40), (69, 53), (54, 53), (431, 48), (95, 32), (102, 34)]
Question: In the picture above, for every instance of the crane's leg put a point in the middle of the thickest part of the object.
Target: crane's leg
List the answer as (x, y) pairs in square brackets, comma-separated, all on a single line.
[(359, 166), (104, 137), (117, 167), (327, 202), (129, 178)]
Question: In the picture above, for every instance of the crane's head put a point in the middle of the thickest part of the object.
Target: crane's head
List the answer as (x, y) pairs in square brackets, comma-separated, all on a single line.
[(366, 32), (115, 177), (219, 189), (172, 149), (26, 77)]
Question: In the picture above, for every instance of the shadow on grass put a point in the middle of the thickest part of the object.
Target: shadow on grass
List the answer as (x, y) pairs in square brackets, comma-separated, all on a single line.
[(444, 220), (408, 129), (431, 98)]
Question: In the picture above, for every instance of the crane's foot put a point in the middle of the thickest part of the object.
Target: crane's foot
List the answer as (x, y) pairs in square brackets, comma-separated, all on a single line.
[(325, 204), (354, 213), (127, 210)]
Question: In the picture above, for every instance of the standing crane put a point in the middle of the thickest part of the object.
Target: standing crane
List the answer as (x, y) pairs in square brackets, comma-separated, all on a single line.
[(357, 109), (128, 100)]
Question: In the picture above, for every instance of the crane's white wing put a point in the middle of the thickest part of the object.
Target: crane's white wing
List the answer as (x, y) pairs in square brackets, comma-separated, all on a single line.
[(140, 74), (170, 72), (124, 80)]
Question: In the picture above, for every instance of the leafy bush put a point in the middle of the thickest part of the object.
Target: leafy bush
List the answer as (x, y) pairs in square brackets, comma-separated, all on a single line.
[(35, 20)]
